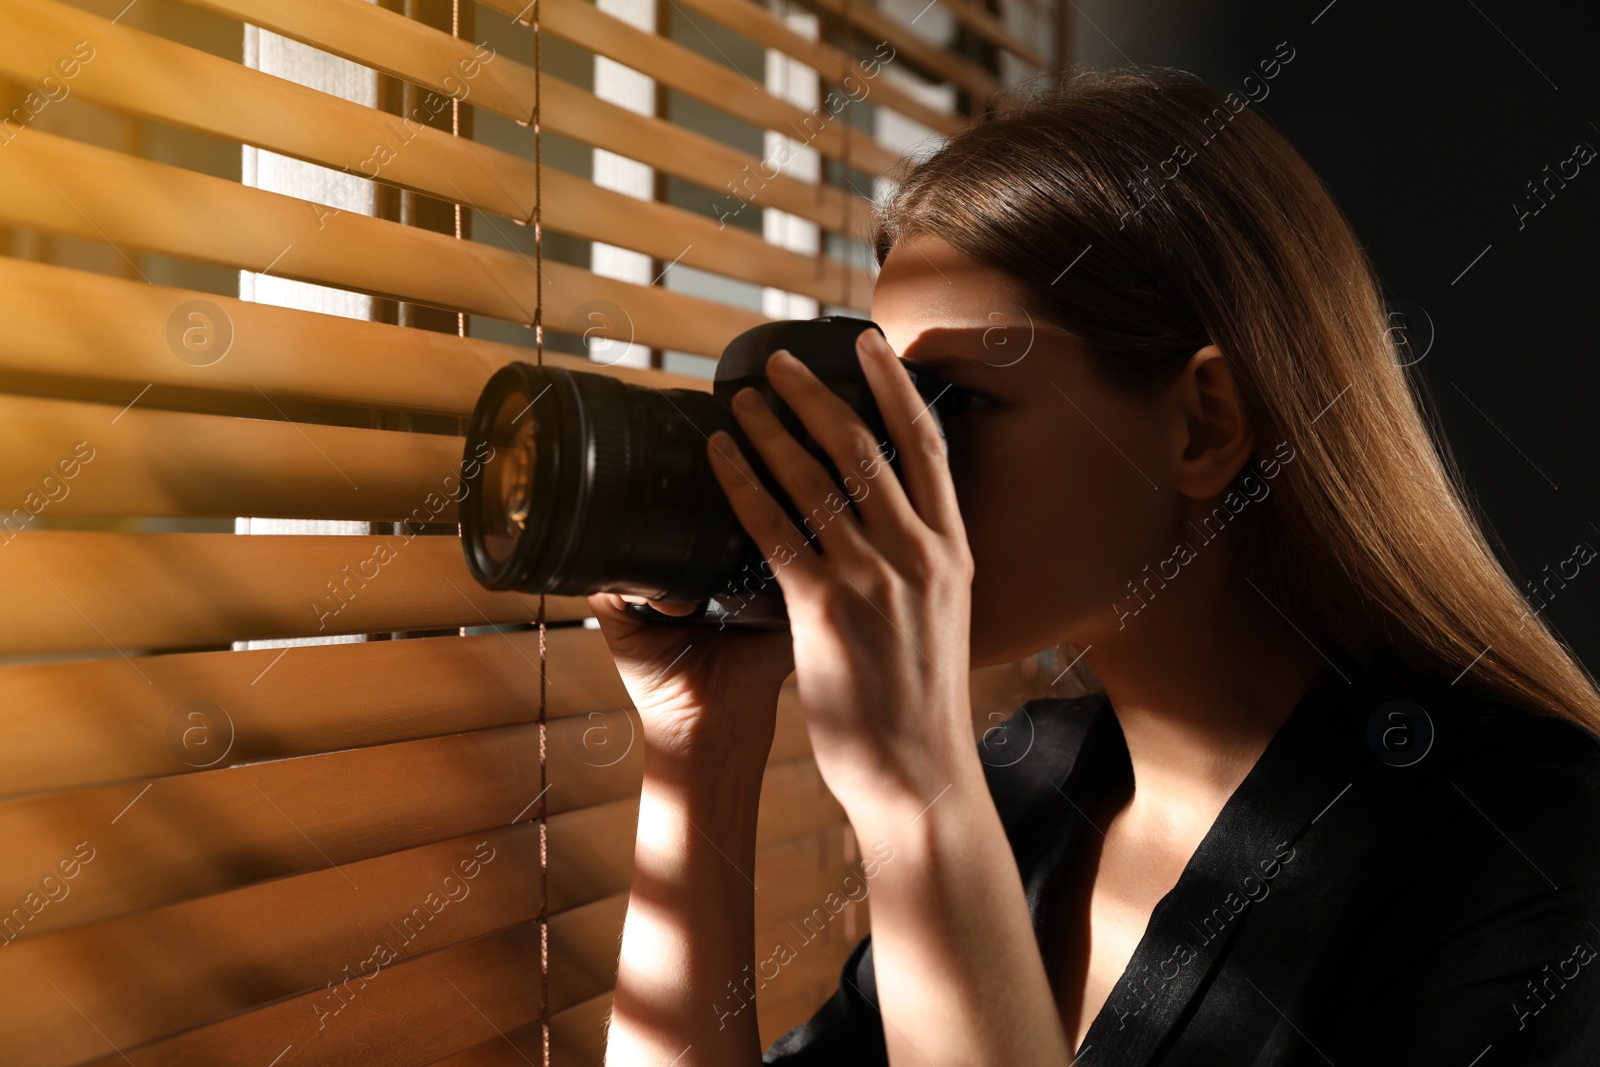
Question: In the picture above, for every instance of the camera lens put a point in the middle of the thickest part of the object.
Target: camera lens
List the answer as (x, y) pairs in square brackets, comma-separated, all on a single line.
[(586, 482)]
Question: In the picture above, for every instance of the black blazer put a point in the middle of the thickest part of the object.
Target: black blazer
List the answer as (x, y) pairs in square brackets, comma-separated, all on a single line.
[(1406, 876)]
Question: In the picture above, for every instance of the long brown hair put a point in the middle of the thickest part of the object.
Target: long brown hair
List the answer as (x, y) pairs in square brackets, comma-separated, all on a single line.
[(1150, 214)]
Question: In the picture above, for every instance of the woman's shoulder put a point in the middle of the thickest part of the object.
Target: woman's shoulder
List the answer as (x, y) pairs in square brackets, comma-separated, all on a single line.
[(1476, 870), (1498, 744), (1436, 731), (1504, 804)]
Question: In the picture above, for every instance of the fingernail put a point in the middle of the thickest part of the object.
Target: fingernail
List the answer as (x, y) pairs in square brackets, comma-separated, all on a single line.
[(722, 439), (783, 360), (747, 399), (872, 341)]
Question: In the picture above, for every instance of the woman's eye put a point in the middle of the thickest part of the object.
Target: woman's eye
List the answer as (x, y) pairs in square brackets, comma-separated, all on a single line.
[(961, 401)]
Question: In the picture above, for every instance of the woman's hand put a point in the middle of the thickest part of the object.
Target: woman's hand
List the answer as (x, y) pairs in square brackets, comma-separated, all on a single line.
[(880, 617), (708, 699), (697, 688)]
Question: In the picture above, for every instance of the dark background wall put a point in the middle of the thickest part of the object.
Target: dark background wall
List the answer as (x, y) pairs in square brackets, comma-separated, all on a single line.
[(1428, 119)]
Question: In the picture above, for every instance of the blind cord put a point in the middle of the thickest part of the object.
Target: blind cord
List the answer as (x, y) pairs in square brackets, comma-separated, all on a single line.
[(538, 347)]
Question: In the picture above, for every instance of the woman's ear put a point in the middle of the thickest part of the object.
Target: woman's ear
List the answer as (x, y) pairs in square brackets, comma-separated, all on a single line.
[(1214, 437)]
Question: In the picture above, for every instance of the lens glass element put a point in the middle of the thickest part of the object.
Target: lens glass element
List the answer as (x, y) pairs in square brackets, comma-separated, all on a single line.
[(507, 499)]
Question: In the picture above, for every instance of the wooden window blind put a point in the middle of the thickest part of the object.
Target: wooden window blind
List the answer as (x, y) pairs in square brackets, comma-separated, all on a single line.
[(280, 784)]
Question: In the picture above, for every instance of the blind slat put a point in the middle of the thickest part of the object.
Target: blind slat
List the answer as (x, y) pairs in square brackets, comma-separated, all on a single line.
[(832, 64), (736, 178), (136, 339), (422, 1009), (396, 45), (104, 592), (152, 462), (939, 61), (81, 724), (577, 1039), (692, 74), (577, 1035), (992, 28), (586, 210), (1034, 6)]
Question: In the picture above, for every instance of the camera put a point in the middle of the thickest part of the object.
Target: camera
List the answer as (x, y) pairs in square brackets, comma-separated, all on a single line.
[(576, 482)]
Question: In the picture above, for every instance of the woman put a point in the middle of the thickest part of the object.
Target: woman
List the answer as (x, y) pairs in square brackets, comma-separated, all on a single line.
[(1340, 783)]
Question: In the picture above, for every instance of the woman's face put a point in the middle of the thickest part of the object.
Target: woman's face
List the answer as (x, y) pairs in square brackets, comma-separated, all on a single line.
[(1061, 478)]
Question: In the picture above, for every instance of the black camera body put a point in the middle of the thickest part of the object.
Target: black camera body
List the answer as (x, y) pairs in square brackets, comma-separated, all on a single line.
[(576, 482)]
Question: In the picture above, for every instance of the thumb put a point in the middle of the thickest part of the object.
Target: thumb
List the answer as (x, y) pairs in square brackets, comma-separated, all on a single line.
[(676, 607), (607, 605)]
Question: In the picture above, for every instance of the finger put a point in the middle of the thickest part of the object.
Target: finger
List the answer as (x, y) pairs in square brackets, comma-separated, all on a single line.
[(824, 509), (607, 606), (763, 519), (925, 465), (854, 449), (666, 607), (676, 607)]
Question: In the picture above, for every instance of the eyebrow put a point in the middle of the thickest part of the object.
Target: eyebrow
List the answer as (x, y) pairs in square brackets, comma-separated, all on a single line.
[(940, 359), (966, 347), (944, 357), (943, 363)]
